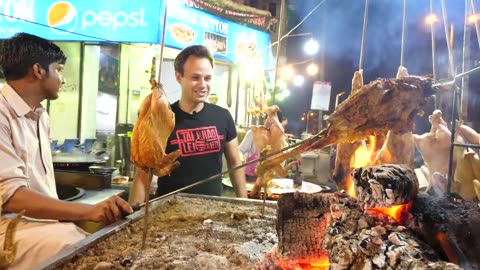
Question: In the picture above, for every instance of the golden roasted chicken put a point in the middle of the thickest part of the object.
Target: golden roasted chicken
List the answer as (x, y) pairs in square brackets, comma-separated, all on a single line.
[(155, 123), (383, 104)]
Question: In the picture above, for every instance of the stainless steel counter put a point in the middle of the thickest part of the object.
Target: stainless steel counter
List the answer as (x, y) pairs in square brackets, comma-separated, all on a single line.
[(96, 196)]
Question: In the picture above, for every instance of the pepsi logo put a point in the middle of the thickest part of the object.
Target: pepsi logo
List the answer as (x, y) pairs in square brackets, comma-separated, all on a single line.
[(62, 15)]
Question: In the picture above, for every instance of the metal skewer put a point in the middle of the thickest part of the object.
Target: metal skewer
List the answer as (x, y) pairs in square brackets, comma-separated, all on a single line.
[(138, 206)]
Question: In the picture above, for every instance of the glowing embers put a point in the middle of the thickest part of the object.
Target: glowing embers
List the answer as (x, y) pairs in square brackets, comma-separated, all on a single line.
[(397, 212)]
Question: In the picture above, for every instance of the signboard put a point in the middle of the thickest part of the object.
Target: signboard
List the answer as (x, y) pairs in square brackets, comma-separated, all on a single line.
[(227, 40), (321, 96), (87, 20)]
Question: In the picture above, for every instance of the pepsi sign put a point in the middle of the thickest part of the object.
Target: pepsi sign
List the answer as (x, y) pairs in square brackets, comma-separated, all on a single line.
[(91, 20)]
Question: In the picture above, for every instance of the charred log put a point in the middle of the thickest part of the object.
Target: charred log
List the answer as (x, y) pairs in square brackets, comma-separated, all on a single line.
[(301, 222), (343, 164), (356, 240), (450, 227), (385, 185)]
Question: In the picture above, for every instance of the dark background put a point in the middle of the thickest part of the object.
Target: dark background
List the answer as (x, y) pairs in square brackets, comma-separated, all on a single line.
[(337, 25)]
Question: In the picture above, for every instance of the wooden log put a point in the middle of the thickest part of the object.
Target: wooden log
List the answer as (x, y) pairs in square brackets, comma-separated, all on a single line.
[(450, 226), (385, 185), (302, 220)]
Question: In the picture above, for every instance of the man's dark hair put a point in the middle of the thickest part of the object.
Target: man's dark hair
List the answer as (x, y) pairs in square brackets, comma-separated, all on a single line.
[(195, 50), (19, 53)]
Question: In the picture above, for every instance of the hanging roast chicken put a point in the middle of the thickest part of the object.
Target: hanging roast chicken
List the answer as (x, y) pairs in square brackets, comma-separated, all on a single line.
[(155, 123)]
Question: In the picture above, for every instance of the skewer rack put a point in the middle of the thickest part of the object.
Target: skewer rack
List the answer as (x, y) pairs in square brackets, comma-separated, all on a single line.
[(453, 84)]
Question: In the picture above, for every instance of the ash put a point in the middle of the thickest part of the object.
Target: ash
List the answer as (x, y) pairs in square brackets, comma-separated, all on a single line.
[(188, 233), (359, 240)]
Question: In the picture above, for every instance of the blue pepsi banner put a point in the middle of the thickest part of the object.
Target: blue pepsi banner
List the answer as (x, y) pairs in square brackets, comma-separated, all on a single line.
[(227, 40), (87, 20)]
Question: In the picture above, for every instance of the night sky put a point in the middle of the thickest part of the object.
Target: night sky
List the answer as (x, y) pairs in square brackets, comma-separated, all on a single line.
[(338, 24)]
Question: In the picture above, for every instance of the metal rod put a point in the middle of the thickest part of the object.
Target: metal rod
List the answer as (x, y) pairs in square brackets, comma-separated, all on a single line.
[(465, 66), (216, 176), (452, 140), (404, 27), (452, 82), (277, 54), (147, 206), (364, 33), (163, 43), (467, 145), (477, 26), (432, 30), (449, 47)]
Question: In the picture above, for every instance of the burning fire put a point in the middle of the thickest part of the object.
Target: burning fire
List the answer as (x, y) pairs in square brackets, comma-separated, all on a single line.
[(364, 156), (397, 212), (321, 263)]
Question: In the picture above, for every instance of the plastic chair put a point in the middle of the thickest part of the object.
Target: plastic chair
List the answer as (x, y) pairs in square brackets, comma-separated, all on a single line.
[(68, 145), (53, 144), (86, 146)]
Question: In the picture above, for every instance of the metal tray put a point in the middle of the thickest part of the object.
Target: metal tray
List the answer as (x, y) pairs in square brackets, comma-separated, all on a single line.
[(70, 252)]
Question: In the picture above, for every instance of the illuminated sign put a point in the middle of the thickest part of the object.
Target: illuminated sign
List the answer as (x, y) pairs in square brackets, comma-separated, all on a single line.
[(90, 20), (226, 39)]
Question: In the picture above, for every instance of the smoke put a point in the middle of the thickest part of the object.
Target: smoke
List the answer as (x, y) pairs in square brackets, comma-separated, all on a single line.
[(339, 25)]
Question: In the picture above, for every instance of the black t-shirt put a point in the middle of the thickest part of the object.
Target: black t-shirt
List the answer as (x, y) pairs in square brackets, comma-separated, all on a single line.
[(201, 138)]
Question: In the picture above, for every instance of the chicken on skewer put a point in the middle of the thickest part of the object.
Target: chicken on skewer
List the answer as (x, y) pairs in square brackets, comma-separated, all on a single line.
[(384, 104), (149, 139)]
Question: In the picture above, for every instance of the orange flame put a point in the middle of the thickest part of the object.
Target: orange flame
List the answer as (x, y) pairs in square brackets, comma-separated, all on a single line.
[(442, 238), (321, 263), (364, 156), (397, 212)]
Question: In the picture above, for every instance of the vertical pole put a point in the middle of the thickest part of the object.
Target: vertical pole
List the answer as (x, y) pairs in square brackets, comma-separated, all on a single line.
[(277, 55), (163, 43), (449, 47), (404, 27), (432, 30), (477, 26), (465, 65), (364, 33)]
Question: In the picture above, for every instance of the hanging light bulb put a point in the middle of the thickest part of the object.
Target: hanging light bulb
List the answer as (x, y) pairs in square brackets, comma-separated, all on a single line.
[(298, 80), (431, 19), (312, 69), (311, 46)]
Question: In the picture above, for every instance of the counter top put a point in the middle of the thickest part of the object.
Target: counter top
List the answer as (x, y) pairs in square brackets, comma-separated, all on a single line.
[(96, 196)]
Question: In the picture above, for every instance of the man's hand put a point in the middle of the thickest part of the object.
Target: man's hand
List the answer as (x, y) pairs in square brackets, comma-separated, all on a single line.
[(110, 210)]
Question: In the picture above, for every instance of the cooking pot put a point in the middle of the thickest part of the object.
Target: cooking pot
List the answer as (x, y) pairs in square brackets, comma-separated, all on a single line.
[(102, 169)]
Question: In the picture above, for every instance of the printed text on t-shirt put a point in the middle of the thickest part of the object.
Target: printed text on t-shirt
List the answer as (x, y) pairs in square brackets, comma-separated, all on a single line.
[(198, 141)]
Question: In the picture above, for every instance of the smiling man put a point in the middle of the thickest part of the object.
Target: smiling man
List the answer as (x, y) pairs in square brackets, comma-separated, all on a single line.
[(203, 133)]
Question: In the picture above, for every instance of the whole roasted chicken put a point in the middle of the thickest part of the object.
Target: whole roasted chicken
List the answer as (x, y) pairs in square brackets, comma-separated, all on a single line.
[(155, 123), (381, 105)]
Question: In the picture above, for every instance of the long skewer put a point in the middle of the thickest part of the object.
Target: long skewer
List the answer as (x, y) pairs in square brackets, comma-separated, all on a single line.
[(404, 27), (449, 47), (147, 206), (477, 26), (364, 34), (150, 170)]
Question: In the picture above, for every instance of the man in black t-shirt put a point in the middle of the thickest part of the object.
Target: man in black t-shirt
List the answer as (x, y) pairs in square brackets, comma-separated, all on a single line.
[(203, 133)]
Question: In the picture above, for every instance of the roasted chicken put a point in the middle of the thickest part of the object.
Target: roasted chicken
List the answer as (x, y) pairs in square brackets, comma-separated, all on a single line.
[(399, 147), (155, 123), (434, 146), (384, 104), (268, 138)]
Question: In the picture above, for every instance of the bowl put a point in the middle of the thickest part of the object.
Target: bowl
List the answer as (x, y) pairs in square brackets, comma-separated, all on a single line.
[(102, 169)]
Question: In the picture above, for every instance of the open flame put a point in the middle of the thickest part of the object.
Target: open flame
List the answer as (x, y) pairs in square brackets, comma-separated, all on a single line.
[(397, 212), (321, 263), (364, 156)]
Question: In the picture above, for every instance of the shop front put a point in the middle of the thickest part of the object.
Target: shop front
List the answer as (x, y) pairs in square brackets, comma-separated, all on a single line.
[(113, 50)]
